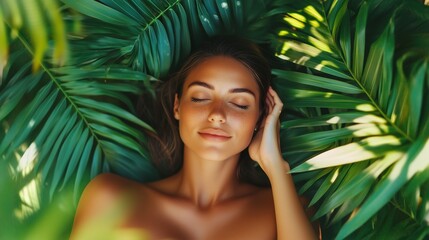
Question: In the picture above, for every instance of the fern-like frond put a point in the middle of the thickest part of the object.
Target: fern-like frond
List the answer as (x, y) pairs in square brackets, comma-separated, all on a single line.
[(154, 36), (42, 21), (77, 127), (363, 105)]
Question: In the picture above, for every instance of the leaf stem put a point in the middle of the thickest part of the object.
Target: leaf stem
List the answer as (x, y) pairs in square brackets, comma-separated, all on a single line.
[(161, 14), (63, 91), (376, 105)]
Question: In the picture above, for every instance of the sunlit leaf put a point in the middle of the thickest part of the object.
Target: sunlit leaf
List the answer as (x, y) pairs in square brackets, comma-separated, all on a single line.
[(358, 183), (335, 16), (376, 65), (413, 161), (321, 82), (4, 49), (366, 149), (334, 118), (37, 31)]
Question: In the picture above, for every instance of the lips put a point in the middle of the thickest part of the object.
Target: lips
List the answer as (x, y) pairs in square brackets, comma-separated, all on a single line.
[(214, 134)]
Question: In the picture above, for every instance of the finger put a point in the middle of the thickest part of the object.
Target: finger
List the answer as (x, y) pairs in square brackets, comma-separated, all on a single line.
[(269, 101), (275, 97), (278, 104), (271, 98), (269, 104)]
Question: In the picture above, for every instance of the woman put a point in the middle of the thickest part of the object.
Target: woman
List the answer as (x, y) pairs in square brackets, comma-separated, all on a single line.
[(222, 109)]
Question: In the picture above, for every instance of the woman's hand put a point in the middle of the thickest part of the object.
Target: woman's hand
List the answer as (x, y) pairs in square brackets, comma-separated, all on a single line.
[(291, 219), (265, 145)]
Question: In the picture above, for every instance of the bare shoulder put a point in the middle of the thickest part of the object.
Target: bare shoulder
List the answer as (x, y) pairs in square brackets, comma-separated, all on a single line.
[(105, 180), (105, 186), (100, 191), (104, 206), (102, 196)]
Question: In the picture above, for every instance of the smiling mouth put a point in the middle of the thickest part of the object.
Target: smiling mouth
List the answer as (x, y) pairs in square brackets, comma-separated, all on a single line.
[(214, 137), (214, 134)]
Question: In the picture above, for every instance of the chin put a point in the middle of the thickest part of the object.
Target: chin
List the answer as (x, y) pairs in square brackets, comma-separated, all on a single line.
[(218, 154)]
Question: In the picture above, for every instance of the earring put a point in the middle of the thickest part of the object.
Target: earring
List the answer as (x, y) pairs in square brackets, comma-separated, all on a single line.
[(256, 129)]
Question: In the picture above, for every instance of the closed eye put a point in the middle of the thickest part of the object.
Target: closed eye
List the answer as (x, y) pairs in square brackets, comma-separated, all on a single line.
[(241, 106), (198, 99)]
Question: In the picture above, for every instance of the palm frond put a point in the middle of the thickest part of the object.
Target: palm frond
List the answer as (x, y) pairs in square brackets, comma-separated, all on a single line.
[(153, 37), (42, 21), (352, 81), (71, 122), (356, 134)]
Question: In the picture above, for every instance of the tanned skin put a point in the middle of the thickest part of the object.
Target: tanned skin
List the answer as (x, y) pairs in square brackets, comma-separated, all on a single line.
[(217, 113)]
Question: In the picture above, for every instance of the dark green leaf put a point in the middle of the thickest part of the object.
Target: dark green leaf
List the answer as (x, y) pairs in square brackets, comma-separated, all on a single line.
[(359, 41)]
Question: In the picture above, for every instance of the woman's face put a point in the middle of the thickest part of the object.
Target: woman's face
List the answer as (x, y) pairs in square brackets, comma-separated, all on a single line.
[(218, 109)]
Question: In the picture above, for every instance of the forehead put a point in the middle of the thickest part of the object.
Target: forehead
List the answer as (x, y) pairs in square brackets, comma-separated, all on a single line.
[(222, 71)]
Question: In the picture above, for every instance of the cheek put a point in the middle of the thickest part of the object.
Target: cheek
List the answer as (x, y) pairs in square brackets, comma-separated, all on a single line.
[(246, 126), (190, 112), (189, 116)]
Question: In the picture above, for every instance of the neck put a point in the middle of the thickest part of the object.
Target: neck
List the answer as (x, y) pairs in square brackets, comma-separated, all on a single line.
[(207, 182)]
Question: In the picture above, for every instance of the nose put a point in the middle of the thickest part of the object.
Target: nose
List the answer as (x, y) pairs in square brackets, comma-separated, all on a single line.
[(217, 114)]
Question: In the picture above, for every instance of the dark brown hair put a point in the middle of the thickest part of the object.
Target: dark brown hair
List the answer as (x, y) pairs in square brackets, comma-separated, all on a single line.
[(167, 150)]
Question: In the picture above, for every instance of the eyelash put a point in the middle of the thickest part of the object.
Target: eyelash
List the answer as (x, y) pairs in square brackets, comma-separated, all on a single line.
[(197, 99), (244, 107)]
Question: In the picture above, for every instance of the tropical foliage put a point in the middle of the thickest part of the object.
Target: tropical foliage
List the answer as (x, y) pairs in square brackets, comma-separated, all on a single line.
[(353, 75)]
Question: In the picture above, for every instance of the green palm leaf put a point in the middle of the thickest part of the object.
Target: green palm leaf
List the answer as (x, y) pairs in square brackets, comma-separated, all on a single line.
[(356, 133), (144, 37), (42, 21), (153, 37), (75, 120), (353, 80)]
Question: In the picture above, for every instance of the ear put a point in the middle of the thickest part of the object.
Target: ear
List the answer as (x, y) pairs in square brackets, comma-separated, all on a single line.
[(176, 107)]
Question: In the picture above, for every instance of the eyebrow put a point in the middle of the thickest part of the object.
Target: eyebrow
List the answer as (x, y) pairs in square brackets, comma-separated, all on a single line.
[(234, 90)]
